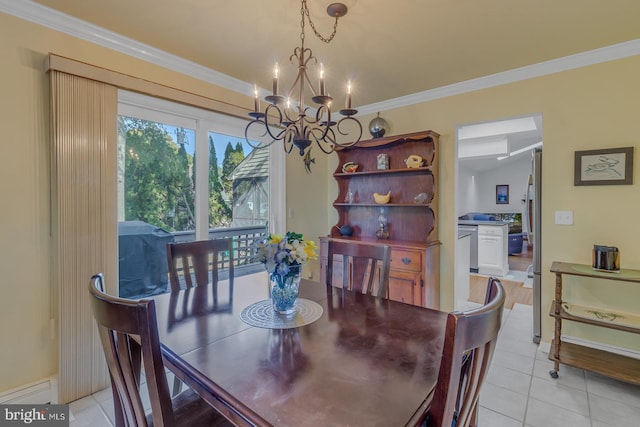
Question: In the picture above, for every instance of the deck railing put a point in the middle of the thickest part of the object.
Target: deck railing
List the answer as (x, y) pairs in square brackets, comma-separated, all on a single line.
[(150, 277), (244, 239)]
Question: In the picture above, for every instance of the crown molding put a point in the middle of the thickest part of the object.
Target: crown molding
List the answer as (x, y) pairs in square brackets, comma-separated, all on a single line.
[(39, 14), (584, 59), (36, 13)]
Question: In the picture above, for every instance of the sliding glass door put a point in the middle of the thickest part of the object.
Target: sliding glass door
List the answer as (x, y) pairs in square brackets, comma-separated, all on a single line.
[(184, 175)]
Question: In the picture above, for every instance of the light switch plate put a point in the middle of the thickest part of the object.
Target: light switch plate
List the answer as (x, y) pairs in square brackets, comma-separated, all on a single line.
[(564, 217)]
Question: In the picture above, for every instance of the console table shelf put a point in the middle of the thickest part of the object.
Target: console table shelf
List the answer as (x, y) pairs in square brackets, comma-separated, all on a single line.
[(612, 365), (384, 205), (603, 362)]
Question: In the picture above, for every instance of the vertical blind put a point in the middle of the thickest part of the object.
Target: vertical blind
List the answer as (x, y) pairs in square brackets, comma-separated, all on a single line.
[(83, 168)]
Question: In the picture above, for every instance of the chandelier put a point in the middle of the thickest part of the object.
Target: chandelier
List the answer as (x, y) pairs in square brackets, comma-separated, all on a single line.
[(286, 118)]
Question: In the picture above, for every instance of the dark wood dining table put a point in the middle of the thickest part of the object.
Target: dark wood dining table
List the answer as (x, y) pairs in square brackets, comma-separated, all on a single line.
[(365, 362)]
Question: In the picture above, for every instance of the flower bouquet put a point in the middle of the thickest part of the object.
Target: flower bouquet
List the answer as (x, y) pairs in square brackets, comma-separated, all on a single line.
[(283, 257)]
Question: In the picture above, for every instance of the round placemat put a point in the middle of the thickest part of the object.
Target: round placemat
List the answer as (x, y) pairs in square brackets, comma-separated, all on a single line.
[(261, 315)]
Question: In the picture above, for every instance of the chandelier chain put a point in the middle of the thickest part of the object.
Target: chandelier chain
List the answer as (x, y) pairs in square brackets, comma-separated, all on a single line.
[(304, 11), (296, 125)]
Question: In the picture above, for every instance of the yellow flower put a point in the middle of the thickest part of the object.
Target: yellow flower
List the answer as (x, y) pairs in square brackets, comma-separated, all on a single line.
[(310, 249), (276, 238)]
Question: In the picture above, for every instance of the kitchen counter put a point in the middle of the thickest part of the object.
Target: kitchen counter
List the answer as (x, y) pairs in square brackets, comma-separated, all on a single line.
[(474, 222)]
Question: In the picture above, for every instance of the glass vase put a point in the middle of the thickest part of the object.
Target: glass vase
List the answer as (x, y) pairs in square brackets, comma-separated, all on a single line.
[(284, 290)]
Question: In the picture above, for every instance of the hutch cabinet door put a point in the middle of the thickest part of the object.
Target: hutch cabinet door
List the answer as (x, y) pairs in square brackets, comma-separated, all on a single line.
[(405, 287)]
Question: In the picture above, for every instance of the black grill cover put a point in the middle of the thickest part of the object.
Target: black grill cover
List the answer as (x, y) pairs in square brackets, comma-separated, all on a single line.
[(142, 259)]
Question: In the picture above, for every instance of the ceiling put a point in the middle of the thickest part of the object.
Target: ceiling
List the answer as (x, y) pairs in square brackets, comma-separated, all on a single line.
[(520, 138), (388, 49)]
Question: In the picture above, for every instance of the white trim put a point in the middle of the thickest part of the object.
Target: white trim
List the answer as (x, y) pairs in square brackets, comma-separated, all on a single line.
[(584, 59), (544, 347), (36, 13), (277, 199), (205, 121), (36, 393), (51, 18)]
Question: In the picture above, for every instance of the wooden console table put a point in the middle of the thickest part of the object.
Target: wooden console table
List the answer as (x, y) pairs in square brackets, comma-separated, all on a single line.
[(603, 362)]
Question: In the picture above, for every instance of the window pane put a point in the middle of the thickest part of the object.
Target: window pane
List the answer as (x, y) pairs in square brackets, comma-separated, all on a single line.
[(156, 200), (238, 194), (238, 183)]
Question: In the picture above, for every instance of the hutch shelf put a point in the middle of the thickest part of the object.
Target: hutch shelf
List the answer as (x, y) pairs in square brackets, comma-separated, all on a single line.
[(410, 216), (616, 366)]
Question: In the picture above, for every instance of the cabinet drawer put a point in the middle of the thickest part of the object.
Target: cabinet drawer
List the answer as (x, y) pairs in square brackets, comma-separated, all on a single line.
[(402, 259), (489, 230)]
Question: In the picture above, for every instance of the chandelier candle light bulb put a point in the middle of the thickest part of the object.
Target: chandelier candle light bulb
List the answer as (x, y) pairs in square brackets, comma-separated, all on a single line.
[(256, 100), (347, 104), (321, 79), (275, 80)]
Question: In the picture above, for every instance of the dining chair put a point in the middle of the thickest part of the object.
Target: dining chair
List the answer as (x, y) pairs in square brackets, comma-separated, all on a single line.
[(129, 335), (470, 340), (199, 262), (365, 266)]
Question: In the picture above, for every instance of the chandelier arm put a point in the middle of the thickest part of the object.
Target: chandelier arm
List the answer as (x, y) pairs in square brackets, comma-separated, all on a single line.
[(293, 86), (323, 126), (308, 80), (287, 143), (288, 111), (268, 125), (328, 141), (338, 127), (260, 144)]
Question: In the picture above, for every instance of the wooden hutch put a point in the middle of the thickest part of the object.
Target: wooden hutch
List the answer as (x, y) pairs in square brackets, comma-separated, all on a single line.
[(411, 212)]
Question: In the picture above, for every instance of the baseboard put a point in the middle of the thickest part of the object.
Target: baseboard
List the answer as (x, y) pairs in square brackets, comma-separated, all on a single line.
[(544, 347), (39, 392)]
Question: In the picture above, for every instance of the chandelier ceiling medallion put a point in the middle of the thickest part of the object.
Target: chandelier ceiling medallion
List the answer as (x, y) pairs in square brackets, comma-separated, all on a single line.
[(287, 119)]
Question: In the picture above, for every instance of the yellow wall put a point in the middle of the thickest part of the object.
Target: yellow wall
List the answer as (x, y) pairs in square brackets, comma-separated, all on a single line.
[(306, 197), (28, 291), (595, 107), (589, 108)]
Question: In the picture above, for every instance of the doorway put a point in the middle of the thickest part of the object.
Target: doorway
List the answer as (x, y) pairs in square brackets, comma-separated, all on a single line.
[(495, 187)]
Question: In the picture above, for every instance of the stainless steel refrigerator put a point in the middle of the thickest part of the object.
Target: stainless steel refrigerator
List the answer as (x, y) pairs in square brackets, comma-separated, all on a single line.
[(533, 200)]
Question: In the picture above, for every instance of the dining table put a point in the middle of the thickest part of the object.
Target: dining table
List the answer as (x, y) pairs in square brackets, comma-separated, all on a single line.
[(360, 361)]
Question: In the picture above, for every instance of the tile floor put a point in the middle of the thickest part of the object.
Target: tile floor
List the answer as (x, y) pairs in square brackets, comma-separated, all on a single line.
[(518, 391)]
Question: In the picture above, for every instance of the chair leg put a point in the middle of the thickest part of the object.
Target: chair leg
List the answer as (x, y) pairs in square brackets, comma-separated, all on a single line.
[(473, 421), (177, 386)]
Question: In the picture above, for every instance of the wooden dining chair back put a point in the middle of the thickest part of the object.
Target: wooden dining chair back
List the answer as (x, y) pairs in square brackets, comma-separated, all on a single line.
[(129, 335), (361, 266), (470, 340), (200, 262)]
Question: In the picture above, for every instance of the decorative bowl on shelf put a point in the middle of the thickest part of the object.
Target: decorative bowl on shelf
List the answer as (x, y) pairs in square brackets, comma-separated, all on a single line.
[(346, 230), (420, 198), (382, 198), (349, 167), (414, 161)]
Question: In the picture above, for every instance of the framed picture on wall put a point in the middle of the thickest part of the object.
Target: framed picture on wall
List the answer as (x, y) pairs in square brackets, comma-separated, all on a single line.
[(502, 194), (611, 166)]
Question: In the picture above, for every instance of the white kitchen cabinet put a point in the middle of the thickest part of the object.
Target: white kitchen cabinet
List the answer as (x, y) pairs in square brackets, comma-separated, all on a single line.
[(461, 274), (493, 258)]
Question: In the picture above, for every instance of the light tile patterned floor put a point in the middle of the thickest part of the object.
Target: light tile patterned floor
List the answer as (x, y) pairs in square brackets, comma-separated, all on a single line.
[(518, 391)]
